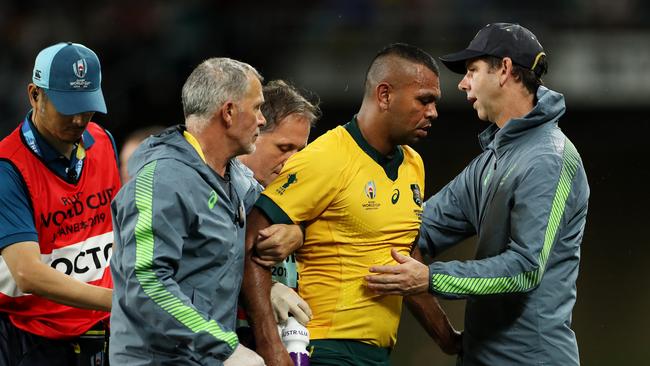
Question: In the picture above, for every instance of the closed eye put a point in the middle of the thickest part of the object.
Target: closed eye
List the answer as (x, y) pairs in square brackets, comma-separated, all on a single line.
[(286, 148), (428, 99)]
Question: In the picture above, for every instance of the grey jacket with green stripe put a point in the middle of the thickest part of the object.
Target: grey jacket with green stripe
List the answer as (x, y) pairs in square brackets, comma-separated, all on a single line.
[(178, 257), (525, 197)]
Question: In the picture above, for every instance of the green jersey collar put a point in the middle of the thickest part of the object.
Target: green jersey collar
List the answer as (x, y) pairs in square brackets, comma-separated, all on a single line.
[(389, 164)]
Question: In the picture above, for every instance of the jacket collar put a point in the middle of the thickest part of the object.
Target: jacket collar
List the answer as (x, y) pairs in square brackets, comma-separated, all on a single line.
[(549, 108)]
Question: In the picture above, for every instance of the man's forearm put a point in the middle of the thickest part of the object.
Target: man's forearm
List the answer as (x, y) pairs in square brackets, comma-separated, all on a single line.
[(35, 277), (256, 290), (426, 309), (76, 294)]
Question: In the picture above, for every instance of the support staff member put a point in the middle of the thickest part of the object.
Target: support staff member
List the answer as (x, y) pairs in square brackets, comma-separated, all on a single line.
[(289, 117), (179, 228), (58, 172)]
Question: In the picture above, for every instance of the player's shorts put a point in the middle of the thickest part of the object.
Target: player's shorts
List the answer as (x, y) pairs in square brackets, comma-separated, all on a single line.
[(345, 352)]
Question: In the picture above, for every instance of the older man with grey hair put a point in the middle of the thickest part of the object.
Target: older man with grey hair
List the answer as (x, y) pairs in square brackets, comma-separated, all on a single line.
[(179, 228)]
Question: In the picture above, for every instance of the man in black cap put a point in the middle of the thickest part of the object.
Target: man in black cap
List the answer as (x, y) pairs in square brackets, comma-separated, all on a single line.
[(525, 197)]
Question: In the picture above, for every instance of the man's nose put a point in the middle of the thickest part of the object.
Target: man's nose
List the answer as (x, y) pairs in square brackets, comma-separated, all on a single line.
[(261, 121), (432, 112), (78, 119), (463, 85)]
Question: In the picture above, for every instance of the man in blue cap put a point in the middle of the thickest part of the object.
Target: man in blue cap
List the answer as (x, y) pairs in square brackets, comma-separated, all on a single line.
[(59, 173), (525, 198)]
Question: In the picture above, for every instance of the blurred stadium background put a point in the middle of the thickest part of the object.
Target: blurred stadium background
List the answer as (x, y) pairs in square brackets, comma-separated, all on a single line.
[(599, 55)]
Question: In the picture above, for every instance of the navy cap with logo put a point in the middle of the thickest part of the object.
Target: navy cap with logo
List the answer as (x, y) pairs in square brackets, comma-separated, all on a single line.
[(71, 76), (499, 40)]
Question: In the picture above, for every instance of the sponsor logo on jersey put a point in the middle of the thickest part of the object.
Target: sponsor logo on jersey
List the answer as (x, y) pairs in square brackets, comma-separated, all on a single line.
[(291, 179), (371, 189), (417, 196), (395, 197)]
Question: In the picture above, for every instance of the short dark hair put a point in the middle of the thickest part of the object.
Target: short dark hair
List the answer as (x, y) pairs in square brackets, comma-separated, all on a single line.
[(282, 99), (532, 79), (407, 52)]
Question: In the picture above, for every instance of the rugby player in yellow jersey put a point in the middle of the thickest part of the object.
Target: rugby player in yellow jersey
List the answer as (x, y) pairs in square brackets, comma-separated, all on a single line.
[(357, 190)]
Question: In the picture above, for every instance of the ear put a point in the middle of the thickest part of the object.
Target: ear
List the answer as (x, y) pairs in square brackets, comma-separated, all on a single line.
[(506, 70), (384, 90), (227, 112), (32, 95)]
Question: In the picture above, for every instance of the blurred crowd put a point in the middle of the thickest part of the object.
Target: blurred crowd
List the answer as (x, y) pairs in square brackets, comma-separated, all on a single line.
[(148, 47)]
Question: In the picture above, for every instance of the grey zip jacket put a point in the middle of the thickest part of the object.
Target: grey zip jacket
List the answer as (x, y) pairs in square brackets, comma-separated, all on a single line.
[(177, 263), (525, 197)]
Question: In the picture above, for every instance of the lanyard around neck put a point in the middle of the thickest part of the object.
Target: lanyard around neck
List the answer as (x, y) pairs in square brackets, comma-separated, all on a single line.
[(79, 151)]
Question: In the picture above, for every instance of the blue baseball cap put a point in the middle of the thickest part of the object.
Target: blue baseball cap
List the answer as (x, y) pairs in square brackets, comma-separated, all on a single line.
[(71, 76)]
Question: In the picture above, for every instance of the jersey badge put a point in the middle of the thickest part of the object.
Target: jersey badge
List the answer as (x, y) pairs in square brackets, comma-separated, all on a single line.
[(291, 179), (417, 196), (371, 189)]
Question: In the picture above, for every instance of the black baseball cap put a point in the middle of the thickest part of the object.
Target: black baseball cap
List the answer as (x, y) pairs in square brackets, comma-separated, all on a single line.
[(499, 40)]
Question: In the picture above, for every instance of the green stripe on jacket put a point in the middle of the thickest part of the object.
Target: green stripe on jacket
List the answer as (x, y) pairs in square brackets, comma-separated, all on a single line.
[(444, 283), (151, 285)]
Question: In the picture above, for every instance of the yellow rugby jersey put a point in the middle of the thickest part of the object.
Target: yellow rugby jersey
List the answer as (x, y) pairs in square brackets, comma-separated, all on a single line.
[(356, 205)]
